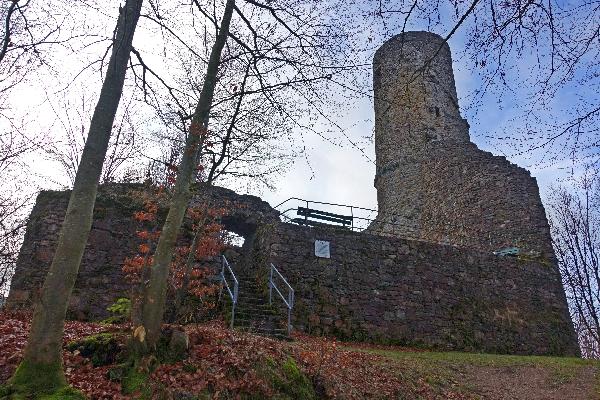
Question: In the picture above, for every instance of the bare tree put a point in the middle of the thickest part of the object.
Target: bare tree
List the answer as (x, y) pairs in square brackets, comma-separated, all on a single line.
[(575, 224), (41, 370), (146, 336), (273, 49), (296, 61), (29, 30), (124, 148), (14, 203), (12, 224), (250, 136)]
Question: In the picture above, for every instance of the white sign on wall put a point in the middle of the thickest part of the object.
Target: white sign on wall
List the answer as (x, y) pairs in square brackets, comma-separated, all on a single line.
[(322, 249)]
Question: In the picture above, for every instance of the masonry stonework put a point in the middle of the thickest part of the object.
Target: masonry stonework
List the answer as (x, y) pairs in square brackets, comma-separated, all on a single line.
[(376, 288), (394, 290), (432, 182), (112, 238)]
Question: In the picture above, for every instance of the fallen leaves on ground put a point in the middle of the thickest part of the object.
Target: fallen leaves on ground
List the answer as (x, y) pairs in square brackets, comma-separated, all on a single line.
[(222, 362), (228, 364), (14, 329)]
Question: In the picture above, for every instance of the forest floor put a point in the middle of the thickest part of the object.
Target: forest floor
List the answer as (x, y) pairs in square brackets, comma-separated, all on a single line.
[(228, 364)]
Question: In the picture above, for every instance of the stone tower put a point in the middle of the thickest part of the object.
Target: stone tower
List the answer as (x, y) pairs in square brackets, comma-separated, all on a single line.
[(432, 182)]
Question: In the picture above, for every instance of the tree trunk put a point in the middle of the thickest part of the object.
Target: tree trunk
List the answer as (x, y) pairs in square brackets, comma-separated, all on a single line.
[(147, 335), (187, 272), (42, 362)]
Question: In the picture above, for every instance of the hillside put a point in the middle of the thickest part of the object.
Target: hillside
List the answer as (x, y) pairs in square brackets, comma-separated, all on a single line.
[(224, 364)]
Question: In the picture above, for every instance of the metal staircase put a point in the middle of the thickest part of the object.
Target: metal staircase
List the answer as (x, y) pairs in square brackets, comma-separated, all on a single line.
[(251, 308)]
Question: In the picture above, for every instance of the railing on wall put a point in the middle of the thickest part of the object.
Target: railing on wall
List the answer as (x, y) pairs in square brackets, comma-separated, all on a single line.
[(358, 219), (290, 297), (226, 268)]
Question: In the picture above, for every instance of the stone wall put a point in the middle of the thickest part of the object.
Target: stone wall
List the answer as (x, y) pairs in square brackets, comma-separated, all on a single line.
[(475, 199), (100, 281), (432, 182), (112, 238), (388, 289)]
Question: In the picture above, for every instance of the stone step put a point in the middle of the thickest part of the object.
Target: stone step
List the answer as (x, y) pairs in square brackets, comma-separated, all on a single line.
[(263, 328), (252, 300), (248, 320), (254, 295), (258, 318), (259, 315), (250, 288), (255, 291), (249, 280), (272, 330), (253, 312), (245, 308), (279, 333), (246, 278)]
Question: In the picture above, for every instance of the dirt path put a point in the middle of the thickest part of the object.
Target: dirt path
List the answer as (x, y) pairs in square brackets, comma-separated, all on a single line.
[(532, 383)]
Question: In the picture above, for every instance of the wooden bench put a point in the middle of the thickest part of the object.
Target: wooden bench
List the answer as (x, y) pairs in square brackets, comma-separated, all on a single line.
[(344, 220)]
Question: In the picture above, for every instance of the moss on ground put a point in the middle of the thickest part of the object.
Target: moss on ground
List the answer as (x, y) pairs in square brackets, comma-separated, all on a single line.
[(135, 381), (483, 359), (101, 349), (66, 393), (287, 380), (38, 381)]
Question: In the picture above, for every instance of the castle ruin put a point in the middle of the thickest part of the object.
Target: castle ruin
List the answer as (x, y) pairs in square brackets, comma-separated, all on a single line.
[(423, 273), (432, 182)]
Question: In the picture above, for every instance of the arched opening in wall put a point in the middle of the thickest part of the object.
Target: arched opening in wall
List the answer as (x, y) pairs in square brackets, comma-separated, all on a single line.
[(234, 239), (240, 230)]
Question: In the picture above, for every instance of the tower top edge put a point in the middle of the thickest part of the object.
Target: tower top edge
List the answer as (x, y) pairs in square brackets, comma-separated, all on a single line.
[(411, 37)]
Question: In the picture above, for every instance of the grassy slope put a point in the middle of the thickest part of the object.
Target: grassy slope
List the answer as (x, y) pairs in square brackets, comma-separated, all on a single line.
[(498, 376)]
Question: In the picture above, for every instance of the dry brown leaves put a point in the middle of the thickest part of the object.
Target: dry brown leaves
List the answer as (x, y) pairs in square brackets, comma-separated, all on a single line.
[(223, 362), (228, 364), (14, 329)]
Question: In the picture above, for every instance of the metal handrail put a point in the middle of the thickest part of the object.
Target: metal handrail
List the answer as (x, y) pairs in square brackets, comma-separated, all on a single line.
[(325, 203), (290, 298), (352, 209), (382, 225), (234, 294)]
